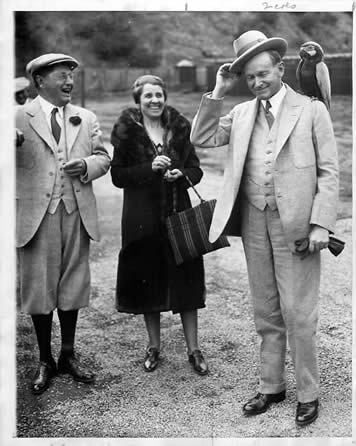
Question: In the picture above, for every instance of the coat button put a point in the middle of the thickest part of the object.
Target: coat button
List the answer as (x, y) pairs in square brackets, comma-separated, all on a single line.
[(48, 195), (50, 174)]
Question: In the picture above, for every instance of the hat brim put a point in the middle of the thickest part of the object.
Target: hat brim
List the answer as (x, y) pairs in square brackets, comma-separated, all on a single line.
[(21, 84), (274, 43), (36, 65), (72, 63)]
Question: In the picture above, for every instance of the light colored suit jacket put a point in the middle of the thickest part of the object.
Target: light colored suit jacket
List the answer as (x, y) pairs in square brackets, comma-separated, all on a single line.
[(36, 166), (306, 162)]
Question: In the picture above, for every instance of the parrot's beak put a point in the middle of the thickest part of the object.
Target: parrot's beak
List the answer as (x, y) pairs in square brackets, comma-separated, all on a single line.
[(311, 53)]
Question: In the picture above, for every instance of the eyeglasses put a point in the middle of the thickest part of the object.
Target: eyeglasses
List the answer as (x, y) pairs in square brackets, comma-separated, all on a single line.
[(65, 76)]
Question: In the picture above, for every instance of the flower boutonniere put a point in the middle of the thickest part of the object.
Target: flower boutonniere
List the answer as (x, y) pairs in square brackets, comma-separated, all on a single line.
[(75, 120)]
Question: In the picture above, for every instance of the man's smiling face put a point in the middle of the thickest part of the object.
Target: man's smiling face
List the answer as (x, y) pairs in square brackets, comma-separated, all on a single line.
[(56, 86)]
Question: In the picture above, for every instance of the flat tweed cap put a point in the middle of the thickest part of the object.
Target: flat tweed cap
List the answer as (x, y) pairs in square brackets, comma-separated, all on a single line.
[(254, 42), (50, 59)]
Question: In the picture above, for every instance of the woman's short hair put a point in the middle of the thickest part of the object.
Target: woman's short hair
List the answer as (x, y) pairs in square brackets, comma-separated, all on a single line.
[(147, 79)]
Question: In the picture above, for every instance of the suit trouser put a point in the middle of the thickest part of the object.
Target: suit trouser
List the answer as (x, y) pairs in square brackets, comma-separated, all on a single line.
[(53, 268), (284, 291)]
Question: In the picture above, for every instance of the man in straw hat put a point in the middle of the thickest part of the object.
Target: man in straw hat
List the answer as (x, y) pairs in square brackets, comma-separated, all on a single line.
[(22, 85), (280, 186), (60, 156)]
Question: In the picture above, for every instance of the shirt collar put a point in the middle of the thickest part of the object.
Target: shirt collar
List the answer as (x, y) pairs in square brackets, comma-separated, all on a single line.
[(276, 100), (47, 107)]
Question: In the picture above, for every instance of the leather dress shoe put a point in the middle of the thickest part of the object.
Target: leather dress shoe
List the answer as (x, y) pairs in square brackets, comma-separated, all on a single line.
[(261, 402), (200, 366), (45, 371), (151, 359), (71, 365), (307, 412)]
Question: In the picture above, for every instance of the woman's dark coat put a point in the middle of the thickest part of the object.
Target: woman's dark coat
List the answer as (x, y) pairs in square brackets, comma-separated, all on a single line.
[(148, 279)]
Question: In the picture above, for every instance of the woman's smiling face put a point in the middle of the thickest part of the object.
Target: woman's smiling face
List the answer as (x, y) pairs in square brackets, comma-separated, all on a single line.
[(152, 101)]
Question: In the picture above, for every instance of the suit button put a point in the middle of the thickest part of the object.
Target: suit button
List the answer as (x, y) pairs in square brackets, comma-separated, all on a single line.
[(50, 174), (77, 190), (48, 195)]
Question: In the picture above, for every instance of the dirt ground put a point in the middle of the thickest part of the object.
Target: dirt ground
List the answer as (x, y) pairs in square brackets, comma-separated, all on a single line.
[(173, 402)]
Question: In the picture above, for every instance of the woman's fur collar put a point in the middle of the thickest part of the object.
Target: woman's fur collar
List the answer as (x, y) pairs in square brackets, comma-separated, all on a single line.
[(131, 139)]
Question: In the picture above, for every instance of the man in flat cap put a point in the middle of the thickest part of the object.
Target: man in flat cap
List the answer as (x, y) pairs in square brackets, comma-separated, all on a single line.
[(22, 85), (62, 153), (280, 186)]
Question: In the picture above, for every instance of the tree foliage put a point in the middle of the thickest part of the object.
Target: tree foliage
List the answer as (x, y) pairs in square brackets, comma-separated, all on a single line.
[(151, 38)]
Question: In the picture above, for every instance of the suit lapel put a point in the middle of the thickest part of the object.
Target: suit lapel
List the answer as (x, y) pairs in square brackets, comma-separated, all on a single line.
[(71, 130), (38, 122), (290, 112), (241, 138)]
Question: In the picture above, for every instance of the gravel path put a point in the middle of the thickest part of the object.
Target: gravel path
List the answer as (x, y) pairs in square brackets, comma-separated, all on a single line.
[(173, 402)]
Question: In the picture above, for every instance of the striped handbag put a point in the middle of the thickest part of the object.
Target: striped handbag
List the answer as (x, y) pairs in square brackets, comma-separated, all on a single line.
[(188, 230)]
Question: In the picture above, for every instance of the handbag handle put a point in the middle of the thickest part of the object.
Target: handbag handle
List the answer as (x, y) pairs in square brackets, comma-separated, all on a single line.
[(175, 198), (192, 186)]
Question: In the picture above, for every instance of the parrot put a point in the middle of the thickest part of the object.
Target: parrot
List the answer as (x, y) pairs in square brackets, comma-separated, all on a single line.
[(313, 74)]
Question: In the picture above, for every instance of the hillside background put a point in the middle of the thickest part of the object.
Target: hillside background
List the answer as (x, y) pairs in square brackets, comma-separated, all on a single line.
[(157, 39)]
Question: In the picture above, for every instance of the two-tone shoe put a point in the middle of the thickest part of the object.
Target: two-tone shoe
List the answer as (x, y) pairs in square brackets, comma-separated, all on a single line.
[(151, 359), (198, 362)]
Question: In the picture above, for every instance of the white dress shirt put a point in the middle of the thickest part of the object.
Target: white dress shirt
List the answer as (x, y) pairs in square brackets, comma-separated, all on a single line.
[(276, 101), (47, 108)]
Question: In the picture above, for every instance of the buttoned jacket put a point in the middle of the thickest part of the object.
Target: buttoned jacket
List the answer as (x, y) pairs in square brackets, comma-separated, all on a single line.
[(305, 170), (36, 162)]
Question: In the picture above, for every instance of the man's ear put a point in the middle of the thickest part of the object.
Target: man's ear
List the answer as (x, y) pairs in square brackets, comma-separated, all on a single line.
[(281, 67), (38, 80)]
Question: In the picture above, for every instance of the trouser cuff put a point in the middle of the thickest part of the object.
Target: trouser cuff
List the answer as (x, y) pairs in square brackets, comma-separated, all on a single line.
[(272, 388), (307, 397)]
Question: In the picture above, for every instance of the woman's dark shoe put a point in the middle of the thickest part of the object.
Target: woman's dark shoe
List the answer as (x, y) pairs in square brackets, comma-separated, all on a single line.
[(151, 359), (196, 358), (306, 413), (44, 373), (261, 402), (71, 365)]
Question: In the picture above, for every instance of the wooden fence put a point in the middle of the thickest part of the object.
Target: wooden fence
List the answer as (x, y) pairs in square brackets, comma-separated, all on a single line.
[(103, 80)]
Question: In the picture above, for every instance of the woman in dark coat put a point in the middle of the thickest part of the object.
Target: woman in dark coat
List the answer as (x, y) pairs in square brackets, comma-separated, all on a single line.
[(152, 155)]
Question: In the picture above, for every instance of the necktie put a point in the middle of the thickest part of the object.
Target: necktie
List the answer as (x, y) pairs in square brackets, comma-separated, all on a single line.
[(56, 129), (268, 114)]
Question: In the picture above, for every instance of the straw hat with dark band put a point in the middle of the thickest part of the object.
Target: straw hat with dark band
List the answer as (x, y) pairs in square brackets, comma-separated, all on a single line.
[(254, 42)]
